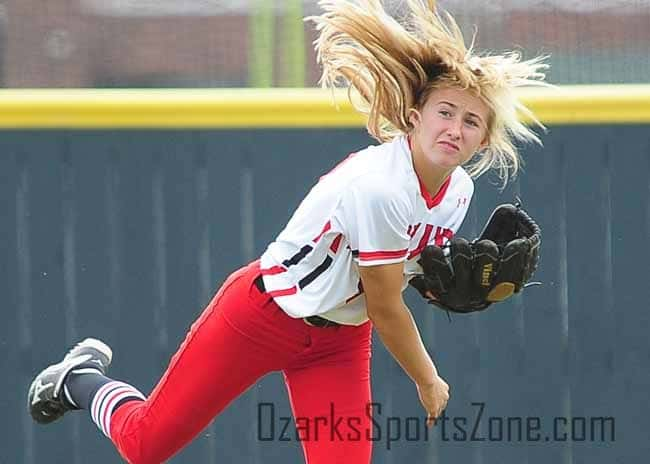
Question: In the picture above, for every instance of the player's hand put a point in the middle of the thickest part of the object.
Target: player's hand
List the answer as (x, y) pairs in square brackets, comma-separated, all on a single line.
[(434, 397)]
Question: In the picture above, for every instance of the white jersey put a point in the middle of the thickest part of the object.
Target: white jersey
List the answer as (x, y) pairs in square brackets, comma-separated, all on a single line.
[(370, 209)]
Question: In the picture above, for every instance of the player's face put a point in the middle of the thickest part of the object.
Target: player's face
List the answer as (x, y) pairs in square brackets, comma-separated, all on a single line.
[(450, 127)]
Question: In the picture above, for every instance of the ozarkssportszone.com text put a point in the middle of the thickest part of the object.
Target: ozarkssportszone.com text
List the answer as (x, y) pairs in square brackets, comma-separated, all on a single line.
[(478, 427)]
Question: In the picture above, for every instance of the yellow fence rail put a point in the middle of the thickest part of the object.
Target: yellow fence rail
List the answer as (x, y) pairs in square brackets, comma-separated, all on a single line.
[(278, 108)]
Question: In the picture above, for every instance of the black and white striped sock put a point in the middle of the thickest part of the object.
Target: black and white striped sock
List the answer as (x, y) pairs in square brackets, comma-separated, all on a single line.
[(107, 399)]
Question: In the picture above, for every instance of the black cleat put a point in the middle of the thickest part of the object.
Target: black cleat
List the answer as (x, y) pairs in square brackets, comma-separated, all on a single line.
[(45, 399)]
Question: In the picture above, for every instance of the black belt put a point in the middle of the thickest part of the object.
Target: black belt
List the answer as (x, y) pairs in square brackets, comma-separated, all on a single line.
[(315, 321)]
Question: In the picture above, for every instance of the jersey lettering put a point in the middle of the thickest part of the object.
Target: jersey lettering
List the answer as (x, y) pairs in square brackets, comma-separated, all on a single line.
[(413, 229), (423, 241), (442, 234)]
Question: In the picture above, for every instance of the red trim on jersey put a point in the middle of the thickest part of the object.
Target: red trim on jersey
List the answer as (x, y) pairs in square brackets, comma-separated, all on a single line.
[(336, 243), (435, 200), (273, 270), (375, 255), (283, 292), (326, 227)]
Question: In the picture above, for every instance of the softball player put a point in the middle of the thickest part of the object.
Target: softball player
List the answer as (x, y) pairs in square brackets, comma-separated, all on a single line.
[(339, 267)]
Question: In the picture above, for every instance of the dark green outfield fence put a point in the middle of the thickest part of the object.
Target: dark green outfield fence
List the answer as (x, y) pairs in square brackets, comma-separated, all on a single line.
[(125, 235)]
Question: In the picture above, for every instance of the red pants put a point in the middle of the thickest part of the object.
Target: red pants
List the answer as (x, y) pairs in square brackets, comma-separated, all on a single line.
[(241, 336)]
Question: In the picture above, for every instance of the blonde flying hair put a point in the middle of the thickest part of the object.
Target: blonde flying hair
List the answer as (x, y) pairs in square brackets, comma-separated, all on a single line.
[(391, 67)]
